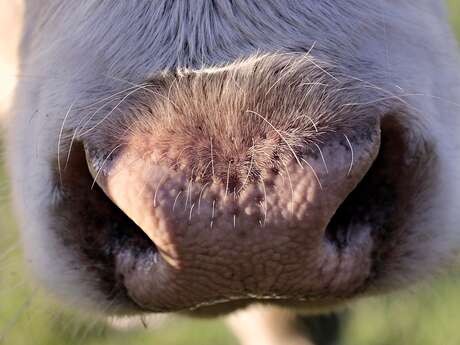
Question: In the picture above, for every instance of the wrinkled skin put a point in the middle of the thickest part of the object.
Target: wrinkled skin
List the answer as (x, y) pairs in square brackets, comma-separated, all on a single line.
[(205, 156)]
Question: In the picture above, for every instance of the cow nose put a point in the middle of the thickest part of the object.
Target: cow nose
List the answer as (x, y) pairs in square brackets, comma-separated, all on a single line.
[(238, 177), (234, 228)]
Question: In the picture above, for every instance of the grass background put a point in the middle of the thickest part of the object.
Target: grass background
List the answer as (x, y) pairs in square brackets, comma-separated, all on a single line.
[(429, 315)]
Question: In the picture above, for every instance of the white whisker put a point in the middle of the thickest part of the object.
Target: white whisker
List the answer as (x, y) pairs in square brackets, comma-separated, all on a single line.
[(228, 180), (200, 196), (249, 170), (314, 173), (191, 211), (59, 142), (163, 178), (103, 164), (175, 200), (107, 115), (279, 133), (352, 155), (212, 160), (291, 187), (213, 212), (322, 158), (265, 207)]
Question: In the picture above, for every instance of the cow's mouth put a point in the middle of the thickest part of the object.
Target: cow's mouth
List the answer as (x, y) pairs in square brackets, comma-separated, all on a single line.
[(169, 244)]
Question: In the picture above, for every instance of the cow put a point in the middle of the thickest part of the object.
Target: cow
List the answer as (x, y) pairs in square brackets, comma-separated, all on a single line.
[(261, 159)]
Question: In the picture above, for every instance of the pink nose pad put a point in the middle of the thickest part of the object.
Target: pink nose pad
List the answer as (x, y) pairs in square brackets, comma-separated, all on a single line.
[(240, 241)]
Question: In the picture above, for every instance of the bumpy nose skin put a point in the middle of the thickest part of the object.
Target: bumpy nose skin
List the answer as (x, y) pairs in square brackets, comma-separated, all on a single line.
[(266, 240)]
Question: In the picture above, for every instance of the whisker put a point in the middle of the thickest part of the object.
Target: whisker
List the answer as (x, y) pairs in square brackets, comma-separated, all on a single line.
[(212, 160), (313, 62), (103, 163), (314, 173), (163, 178), (191, 211), (313, 45), (144, 86), (205, 169), (59, 142), (279, 133), (352, 154), (105, 101), (322, 158), (175, 200), (250, 168), (189, 192), (200, 196), (107, 115), (213, 212), (398, 97), (311, 120), (74, 136), (265, 207), (278, 80), (228, 180)]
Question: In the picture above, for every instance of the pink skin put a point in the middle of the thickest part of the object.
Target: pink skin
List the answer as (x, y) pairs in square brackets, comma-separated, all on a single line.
[(216, 246)]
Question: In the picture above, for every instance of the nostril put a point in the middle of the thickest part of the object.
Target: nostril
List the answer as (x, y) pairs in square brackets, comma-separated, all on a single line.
[(373, 204), (98, 231)]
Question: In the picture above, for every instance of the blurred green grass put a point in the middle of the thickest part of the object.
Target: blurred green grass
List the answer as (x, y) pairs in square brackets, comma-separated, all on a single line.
[(454, 12), (428, 316)]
